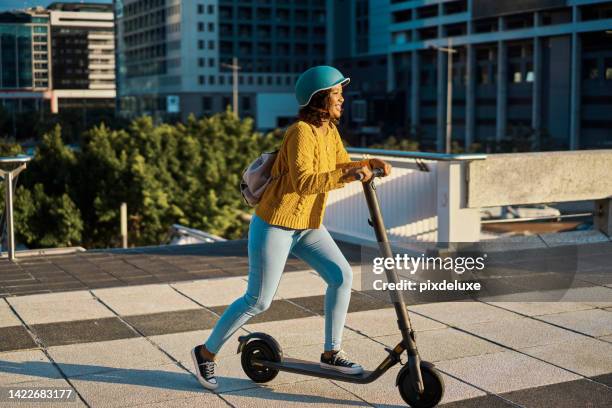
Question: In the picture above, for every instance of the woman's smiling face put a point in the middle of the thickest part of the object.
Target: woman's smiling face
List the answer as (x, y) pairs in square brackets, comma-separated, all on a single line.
[(335, 102)]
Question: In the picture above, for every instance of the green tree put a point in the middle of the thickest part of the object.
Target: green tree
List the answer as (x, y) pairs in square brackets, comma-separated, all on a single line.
[(46, 221), (188, 174), (44, 214), (184, 173)]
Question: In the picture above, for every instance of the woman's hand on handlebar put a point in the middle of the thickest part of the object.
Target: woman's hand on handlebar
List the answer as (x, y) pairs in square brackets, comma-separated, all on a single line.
[(380, 164), (362, 174)]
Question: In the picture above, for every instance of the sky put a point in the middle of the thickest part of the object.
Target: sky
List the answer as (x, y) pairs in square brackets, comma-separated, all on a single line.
[(17, 4)]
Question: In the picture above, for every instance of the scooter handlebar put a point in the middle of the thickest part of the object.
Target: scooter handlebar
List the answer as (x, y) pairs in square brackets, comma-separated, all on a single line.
[(377, 172)]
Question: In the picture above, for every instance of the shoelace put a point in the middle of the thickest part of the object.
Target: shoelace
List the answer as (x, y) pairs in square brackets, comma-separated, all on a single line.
[(341, 358), (209, 369)]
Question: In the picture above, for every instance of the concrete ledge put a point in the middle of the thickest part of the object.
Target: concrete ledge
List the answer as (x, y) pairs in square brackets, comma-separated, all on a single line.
[(532, 178)]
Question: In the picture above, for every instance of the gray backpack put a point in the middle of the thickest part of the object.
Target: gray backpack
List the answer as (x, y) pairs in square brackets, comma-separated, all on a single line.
[(256, 178)]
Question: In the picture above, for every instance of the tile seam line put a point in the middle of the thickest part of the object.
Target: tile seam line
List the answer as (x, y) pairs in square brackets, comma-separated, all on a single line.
[(335, 383), (154, 344), (508, 348), (487, 392), (43, 348), (359, 332), (157, 260), (171, 285), (550, 323)]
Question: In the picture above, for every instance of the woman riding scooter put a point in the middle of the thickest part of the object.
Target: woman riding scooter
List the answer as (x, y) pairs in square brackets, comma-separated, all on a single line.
[(311, 162)]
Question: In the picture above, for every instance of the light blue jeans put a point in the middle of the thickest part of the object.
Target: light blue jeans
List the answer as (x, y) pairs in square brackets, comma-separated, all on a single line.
[(269, 246)]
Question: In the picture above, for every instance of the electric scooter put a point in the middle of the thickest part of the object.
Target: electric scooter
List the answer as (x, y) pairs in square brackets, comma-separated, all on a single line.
[(420, 384)]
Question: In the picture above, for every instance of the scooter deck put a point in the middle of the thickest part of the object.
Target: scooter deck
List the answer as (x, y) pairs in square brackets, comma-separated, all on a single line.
[(297, 366)]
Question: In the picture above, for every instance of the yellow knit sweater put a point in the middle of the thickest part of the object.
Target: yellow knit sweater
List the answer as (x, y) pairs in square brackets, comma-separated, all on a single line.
[(310, 165)]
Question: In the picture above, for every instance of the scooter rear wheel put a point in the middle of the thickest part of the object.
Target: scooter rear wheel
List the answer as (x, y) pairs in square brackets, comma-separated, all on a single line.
[(432, 382), (259, 350)]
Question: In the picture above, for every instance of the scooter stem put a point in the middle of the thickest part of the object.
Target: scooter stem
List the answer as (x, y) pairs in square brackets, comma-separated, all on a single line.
[(403, 321)]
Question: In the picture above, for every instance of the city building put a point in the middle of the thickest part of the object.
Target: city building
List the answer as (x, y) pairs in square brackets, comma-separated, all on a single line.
[(358, 35), (57, 58), (173, 56), (535, 70), (82, 56), (24, 59)]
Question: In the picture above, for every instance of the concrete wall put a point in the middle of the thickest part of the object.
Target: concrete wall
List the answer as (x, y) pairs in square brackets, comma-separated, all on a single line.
[(531, 178)]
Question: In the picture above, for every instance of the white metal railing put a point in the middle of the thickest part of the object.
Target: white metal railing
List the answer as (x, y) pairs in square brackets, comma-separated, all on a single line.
[(407, 199), (423, 200)]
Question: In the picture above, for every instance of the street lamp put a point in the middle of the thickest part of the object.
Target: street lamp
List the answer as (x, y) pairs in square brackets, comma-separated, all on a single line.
[(449, 90), (235, 67)]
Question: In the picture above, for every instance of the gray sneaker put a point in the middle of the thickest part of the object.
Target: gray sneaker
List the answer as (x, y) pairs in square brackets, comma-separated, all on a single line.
[(340, 362), (205, 369)]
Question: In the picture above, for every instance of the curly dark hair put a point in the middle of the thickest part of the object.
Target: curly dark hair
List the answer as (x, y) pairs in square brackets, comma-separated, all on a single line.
[(317, 109)]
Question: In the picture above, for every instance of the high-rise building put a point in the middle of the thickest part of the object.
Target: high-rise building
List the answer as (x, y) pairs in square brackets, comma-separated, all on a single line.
[(57, 58), (24, 59), (82, 56), (172, 55), (537, 70)]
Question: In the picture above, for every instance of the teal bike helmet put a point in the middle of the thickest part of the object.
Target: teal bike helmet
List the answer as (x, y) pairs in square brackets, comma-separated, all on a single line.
[(316, 79)]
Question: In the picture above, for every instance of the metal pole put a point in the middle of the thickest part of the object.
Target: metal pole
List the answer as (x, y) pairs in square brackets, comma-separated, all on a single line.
[(124, 232), (449, 96), (8, 185), (235, 75)]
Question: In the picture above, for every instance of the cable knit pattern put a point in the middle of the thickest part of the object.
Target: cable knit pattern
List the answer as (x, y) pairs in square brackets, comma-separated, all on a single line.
[(311, 165)]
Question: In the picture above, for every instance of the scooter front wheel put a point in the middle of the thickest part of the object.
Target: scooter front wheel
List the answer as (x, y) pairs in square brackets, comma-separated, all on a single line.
[(433, 387), (259, 350)]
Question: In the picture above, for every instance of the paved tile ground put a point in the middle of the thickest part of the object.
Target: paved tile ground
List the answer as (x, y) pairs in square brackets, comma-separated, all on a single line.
[(134, 266), (127, 342)]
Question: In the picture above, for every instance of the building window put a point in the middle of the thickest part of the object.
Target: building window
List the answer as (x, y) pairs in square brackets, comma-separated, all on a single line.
[(211, 9), (211, 79), (240, 80), (200, 8), (221, 80), (211, 27), (226, 102), (250, 80), (200, 26), (608, 69), (589, 69), (278, 80), (201, 44), (246, 103), (211, 45), (206, 103), (259, 81), (269, 80), (515, 74), (200, 62), (211, 62), (483, 75), (201, 80)]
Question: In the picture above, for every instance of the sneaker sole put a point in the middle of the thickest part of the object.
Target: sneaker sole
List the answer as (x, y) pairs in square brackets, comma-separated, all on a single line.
[(344, 370), (201, 379)]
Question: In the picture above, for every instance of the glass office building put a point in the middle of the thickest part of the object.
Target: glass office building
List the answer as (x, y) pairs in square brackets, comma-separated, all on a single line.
[(24, 59), (534, 69)]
